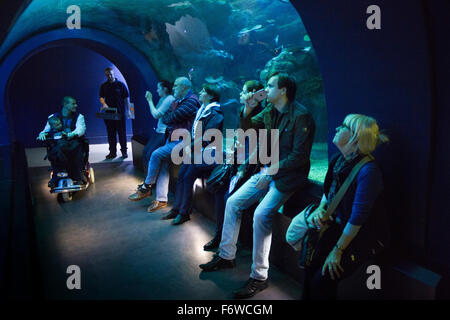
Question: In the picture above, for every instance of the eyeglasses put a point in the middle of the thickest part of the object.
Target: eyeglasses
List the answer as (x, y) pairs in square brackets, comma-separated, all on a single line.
[(343, 126)]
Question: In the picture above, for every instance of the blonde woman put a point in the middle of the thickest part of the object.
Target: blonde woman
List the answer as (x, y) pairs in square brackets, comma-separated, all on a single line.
[(350, 238)]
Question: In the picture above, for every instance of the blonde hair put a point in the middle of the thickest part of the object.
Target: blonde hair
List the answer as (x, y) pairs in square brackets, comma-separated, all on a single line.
[(366, 130)]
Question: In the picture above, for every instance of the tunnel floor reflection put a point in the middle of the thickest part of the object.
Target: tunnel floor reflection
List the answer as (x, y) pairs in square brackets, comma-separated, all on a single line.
[(126, 253)]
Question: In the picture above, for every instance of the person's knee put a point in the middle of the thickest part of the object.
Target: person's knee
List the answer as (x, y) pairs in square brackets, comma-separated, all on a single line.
[(262, 218), (233, 205)]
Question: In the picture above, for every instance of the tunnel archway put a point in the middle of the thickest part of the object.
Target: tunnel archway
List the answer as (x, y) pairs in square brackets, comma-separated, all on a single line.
[(136, 70)]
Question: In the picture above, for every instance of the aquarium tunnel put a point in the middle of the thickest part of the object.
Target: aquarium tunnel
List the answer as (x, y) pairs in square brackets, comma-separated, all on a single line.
[(55, 48)]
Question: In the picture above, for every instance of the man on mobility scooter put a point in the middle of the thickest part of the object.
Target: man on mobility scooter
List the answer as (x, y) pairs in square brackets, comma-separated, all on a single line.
[(67, 150)]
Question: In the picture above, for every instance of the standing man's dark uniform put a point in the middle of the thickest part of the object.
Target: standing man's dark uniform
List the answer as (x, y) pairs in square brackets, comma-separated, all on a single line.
[(114, 94)]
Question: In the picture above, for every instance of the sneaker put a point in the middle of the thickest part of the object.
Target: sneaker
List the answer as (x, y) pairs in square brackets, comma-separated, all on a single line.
[(110, 156), (124, 155), (217, 263), (143, 191), (156, 205), (213, 244), (181, 218), (250, 288), (172, 215)]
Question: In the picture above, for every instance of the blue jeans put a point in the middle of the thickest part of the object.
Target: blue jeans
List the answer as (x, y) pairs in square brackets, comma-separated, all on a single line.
[(186, 178), (249, 193), (156, 140), (220, 199), (158, 169)]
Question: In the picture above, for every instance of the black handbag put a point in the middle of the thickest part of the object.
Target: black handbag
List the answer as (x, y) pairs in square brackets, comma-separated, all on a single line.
[(220, 177), (312, 237)]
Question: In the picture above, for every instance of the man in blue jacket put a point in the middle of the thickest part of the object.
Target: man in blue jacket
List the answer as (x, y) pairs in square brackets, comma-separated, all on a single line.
[(180, 115)]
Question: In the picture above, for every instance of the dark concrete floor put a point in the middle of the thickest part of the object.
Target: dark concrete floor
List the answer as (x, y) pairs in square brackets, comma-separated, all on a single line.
[(125, 252)]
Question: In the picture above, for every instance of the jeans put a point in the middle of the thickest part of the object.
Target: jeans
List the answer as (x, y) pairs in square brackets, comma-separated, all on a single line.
[(113, 128), (186, 178), (220, 199), (158, 169), (156, 140), (249, 193)]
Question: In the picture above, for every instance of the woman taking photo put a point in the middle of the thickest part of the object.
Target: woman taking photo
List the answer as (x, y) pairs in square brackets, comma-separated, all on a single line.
[(350, 238)]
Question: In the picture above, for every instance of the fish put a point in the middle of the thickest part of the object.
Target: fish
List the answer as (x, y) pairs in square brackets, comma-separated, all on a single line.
[(220, 53), (245, 30), (285, 1), (212, 80), (220, 43), (307, 38), (276, 39), (306, 49), (190, 73), (183, 4)]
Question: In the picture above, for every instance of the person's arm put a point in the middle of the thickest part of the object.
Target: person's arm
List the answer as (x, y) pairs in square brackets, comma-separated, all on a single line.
[(126, 100), (164, 107), (80, 127), (256, 122), (183, 112), (151, 105), (43, 132), (369, 186)]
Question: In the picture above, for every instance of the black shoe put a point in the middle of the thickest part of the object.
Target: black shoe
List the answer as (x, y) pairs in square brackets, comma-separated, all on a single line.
[(250, 288), (217, 263), (181, 218), (172, 215), (213, 244), (110, 156), (124, 155)]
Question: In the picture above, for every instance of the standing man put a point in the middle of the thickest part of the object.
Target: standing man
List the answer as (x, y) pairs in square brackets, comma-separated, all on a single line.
[(73, 123), (114, 94), (274, 184)]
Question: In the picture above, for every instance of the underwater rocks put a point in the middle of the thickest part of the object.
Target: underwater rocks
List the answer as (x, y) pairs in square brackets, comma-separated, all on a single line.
[(303, 66)]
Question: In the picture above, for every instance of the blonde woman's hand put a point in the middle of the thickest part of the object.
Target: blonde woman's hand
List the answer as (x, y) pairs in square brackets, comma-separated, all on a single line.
[(333, 264)]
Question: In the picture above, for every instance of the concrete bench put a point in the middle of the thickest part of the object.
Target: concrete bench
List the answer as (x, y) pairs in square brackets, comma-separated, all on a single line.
[(400, 279)]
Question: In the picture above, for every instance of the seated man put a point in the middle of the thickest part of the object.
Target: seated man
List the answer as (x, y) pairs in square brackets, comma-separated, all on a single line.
[(68, 126), (180, 116), (274, 184)]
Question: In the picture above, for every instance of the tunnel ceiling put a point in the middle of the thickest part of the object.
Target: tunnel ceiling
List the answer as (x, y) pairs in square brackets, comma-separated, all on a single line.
[(142, 23)]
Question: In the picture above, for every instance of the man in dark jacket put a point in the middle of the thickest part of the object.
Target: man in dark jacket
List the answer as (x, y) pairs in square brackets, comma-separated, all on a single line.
[(114, 94), (180, 116), (274, 184)]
